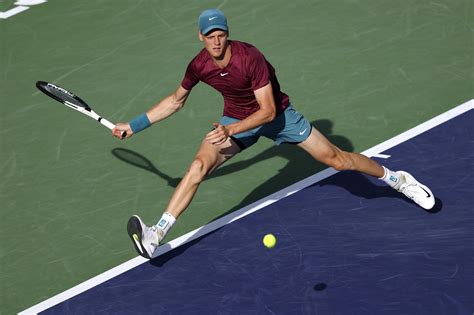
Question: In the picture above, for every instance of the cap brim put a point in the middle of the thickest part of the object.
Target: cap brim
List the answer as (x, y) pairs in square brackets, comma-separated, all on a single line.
[(208, 29)]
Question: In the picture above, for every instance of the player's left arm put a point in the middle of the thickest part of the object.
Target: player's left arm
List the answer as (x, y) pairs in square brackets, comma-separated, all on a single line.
[(265, 114)]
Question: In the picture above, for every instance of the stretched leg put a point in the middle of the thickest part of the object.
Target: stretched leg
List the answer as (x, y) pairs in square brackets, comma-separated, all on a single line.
[(324, 151), (320, 148), (208, 158)]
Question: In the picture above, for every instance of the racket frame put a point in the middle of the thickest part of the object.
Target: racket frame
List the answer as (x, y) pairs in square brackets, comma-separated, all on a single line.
[(85, 109)]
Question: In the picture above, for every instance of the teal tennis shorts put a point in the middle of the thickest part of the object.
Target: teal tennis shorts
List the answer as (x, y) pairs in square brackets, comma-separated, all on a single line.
[(288, 127)]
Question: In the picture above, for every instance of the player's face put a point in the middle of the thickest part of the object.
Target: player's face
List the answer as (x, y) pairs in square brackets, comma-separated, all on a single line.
[(215, 43)]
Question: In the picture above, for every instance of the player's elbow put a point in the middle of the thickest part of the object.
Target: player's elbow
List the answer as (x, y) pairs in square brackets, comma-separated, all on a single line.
[(175, 104), (270, 114), (179, 106)]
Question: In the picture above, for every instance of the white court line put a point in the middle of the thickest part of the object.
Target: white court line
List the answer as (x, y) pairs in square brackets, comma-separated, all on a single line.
[(12, 12), (381, 156), (88, 284)]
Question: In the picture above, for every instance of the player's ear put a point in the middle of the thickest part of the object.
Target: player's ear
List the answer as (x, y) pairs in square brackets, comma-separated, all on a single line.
[(201, 37)]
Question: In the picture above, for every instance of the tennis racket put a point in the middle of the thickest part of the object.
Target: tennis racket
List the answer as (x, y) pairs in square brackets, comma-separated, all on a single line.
[(73, 101)]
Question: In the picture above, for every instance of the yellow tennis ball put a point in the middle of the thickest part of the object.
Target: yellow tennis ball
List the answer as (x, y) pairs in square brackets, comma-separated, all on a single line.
[(269, 240)]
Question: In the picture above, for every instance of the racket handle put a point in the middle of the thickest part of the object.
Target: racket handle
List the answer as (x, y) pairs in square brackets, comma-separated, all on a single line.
[(111, 126), (106, 123)]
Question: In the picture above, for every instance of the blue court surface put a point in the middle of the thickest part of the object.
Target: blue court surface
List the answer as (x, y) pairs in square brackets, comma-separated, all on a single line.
[(347, 244)]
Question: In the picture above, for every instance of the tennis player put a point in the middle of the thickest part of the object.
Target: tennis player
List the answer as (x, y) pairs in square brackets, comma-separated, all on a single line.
[(254, 106)]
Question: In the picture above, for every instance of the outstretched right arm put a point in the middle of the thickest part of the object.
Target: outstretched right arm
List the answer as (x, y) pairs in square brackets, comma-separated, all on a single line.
[(165, 108)]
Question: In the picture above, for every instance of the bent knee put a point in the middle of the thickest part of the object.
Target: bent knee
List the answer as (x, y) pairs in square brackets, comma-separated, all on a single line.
[(198, 170)]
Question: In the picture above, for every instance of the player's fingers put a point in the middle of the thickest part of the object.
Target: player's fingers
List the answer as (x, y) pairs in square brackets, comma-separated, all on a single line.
[(214, 137), (221, 141), (217, 136), (215, 127), (117, 133), (213, 134), (210, 134), (213, 140), (121, 132)]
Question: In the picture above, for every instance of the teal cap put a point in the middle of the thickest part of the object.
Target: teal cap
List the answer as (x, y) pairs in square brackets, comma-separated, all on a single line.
[(212, 19)]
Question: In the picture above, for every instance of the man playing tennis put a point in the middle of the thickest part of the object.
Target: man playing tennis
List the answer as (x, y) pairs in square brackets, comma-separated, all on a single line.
[(254, 106)]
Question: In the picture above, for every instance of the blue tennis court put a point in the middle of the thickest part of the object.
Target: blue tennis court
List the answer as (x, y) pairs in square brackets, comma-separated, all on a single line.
[(346, 245)]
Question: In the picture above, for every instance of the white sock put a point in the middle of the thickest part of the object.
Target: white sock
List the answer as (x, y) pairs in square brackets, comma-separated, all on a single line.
[(391, 178), (165, 223)]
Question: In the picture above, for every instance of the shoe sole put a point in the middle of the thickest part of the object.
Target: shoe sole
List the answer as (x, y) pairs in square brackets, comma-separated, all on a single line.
[(134, 229)]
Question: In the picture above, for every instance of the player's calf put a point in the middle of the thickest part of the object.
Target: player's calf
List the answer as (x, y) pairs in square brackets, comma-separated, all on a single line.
[(343, 161)]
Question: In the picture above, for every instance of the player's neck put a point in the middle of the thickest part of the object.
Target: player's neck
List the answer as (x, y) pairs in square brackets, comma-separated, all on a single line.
[(223, 60)]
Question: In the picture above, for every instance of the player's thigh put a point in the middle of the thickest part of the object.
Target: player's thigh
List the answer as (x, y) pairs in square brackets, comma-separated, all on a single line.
[(212, 155), (319, 147)]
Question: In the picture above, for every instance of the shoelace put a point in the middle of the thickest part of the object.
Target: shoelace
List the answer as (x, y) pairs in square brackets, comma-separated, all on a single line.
[(155, 235), (159, 235), (405, 188)]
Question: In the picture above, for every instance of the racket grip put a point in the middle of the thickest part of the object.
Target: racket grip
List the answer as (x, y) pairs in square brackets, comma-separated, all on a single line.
[(106, 123), (111, 126)]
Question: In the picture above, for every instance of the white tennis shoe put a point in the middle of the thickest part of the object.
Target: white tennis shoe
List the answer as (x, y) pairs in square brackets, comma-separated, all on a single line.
[(416, 191), (146, 239)]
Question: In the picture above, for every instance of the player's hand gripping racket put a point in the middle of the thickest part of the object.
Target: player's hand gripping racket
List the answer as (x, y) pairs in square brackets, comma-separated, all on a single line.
[(73, 101)]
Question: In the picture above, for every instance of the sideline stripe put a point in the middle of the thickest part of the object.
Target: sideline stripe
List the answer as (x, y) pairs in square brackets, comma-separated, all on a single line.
[(12, 12), (381, 156), (234, 216)]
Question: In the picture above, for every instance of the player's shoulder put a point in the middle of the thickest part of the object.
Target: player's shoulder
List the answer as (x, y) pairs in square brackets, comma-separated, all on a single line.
[(247, 52), (199, 61), (244, 47)]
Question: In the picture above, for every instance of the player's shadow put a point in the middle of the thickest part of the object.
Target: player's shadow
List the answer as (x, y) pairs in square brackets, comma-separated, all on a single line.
[(360, 185), (162, 259), (299, 165)]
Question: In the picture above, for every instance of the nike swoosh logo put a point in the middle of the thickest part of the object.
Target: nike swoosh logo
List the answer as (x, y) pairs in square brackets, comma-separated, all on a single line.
[(212, 18), (224, 74), (302, 132), (427, 193), (137, 242)]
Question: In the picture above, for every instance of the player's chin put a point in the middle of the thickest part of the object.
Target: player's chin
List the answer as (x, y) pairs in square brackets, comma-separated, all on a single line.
[(216, 53)]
